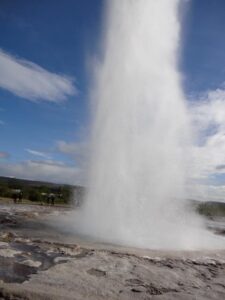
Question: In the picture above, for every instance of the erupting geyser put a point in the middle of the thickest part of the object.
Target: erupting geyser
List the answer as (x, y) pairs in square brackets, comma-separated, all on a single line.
[(140, 132)]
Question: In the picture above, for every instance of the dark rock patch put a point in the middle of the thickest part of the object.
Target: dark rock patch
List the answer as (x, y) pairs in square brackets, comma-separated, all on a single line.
[(11, 271), (96, 272)]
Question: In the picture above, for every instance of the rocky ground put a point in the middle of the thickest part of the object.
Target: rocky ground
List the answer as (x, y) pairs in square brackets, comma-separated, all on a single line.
[(37, 263)]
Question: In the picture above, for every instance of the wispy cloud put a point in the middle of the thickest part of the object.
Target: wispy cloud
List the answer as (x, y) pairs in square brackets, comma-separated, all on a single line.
[(38, 153), (50, 171), (28, 80), (2, 122), (72, 149)]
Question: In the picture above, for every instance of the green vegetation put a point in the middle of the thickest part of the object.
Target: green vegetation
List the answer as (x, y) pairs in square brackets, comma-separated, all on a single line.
[(38, 192)]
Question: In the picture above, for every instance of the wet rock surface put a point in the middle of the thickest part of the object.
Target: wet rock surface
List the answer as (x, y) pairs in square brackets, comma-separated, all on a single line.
[(32, 267)]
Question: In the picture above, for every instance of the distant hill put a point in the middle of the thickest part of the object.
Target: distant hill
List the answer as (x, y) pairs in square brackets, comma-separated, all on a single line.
[(33, 183)]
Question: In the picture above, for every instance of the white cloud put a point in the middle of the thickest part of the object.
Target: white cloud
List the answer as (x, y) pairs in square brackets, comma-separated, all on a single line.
[(207, 192), (38, 153), (78, 151), (49, 171), (75, 150), (209, 111), (208, 117), (28, 80), (208, 153)]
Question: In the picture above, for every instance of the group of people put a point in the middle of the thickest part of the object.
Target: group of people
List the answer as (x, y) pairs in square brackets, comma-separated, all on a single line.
[(49, 199), (17, 196)]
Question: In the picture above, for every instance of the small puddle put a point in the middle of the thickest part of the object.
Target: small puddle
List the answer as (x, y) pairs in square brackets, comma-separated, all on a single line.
[(14, 272)]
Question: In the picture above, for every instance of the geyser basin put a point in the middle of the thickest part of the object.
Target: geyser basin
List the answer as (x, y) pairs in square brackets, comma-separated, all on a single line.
[(140, 134), (37, 259)]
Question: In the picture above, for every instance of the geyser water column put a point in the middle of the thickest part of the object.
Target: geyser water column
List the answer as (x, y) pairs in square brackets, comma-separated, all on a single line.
[(140, 130)]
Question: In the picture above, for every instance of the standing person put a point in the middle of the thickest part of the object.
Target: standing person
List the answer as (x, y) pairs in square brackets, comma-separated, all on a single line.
[(52, 199), (20, 197)]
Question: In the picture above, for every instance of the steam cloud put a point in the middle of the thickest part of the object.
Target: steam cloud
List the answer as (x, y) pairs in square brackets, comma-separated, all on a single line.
[(141, 133)]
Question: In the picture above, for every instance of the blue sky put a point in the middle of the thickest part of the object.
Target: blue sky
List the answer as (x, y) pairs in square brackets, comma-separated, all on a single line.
[(43, 120), (203, 54), (59, 37)]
